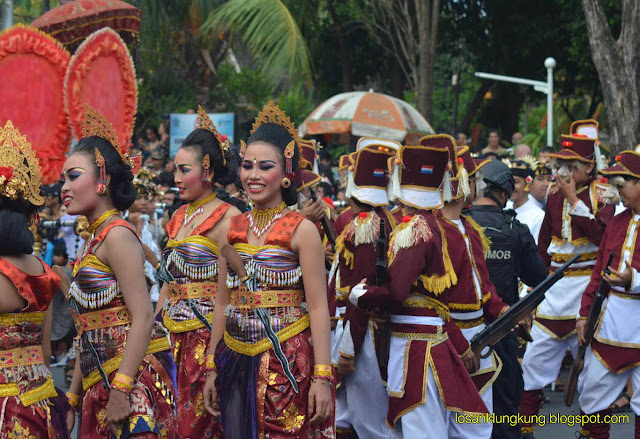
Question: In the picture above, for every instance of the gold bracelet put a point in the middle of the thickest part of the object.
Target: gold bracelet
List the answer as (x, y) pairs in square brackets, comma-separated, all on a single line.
[(74, 401), (157, 266), (210, 363), (322, 371), (123, 383)]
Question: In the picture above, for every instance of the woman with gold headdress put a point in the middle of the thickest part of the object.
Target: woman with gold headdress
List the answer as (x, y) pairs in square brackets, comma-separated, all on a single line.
[(190, 268), (267, 379), (124, 372), (27, 286)]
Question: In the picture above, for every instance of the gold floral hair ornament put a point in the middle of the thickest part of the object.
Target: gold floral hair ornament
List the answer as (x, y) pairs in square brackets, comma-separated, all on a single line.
[(95, 124), (204, 122), (20, 174), (271, 113)]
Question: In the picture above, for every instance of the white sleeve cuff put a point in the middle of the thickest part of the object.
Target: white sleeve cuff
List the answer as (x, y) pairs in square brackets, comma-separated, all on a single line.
[(581, 209), (634, 287), (357, 292), (346, 344)]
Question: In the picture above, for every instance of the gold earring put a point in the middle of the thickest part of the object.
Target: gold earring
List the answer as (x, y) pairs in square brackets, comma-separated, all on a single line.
[(285, 182)]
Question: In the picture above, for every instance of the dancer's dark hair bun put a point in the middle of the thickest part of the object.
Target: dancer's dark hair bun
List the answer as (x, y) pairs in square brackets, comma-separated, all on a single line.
[(121, 189), (15, 235), (206, 143), (278, 136)]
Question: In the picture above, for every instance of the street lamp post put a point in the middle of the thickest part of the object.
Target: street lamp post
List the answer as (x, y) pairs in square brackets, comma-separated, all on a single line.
[(540, 86)]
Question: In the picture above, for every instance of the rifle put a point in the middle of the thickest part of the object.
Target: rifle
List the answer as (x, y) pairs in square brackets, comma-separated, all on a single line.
[(382, 278), (592, 320), (329, 230), (502, 326)]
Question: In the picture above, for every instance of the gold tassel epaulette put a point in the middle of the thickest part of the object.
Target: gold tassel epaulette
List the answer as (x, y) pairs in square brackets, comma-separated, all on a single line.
[(410, 233), (342, 250), (486, 242), (364, 229)]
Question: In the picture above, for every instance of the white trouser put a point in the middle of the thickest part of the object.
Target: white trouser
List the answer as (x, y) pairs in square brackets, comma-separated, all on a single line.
[(543, 358), (366, 396), (432, 420), (599, 387), (427, 421)]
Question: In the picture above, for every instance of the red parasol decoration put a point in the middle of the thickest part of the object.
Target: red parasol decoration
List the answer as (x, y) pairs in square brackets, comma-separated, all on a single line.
[(101, 74), (71, 23), (32, 68)]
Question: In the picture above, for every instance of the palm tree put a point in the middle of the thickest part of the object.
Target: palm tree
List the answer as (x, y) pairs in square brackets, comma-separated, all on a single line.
[(269, 31)]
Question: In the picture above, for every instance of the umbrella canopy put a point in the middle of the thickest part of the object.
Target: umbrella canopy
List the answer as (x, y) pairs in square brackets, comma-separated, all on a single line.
[(71, 23), (367, 114)]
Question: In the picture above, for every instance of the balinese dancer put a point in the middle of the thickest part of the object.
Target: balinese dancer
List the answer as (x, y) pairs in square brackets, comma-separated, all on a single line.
[(428, 382), (191, 267), (261, 389), (125, 369), (575, 218), (614, 353), (473, 300), (27, 286), (362, 399)]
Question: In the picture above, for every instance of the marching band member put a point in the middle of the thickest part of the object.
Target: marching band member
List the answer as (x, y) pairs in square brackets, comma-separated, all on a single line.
[(574, 222), (427, 379)]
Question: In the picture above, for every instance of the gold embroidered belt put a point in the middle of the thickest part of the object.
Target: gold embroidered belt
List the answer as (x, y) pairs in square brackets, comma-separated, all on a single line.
[(193, 290), (265, 344), (177, 326), (157, 345), (244, 299), (105, 318), (15, 318), (625, 295), (26, 356), (466, 324), (561, 258), (46, 390)]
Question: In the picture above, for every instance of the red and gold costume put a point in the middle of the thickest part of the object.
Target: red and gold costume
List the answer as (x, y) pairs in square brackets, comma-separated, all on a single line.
[(103, 316), (613, 356), (256, 397), (193, 264), (426, 378), (566, 231), (26, 385)]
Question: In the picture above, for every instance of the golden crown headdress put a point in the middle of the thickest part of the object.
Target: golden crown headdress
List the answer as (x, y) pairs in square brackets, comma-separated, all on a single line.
[(95, 124), (271, 113), (20, 175), (204, 122), (144, 184)]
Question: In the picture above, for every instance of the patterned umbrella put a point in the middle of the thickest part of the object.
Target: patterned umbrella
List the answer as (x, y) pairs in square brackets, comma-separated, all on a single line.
[(367, 114), (72, 22)]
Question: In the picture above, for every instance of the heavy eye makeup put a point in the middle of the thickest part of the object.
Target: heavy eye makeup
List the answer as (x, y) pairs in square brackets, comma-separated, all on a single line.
[(182, 168), (72, 174), (263, 165)]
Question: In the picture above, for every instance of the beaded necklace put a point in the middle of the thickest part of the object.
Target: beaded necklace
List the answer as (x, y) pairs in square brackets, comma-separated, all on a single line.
[(261, 220), (196, 208)]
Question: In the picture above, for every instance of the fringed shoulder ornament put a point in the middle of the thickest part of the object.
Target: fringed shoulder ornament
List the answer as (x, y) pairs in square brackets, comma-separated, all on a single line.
[(364, 229), (411, 231)]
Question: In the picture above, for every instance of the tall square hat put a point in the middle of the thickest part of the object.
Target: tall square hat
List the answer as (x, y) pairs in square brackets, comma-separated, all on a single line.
[(344, 162), (367, 179), (468, 168), (421, 174), (304, 178), (581, 143), (627, 163), (308, 153)]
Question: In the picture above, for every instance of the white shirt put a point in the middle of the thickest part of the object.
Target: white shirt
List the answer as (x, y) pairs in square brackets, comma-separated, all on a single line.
[(531, 215)]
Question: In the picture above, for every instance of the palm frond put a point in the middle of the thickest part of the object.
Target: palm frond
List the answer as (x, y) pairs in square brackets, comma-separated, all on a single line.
[(270, 33)]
